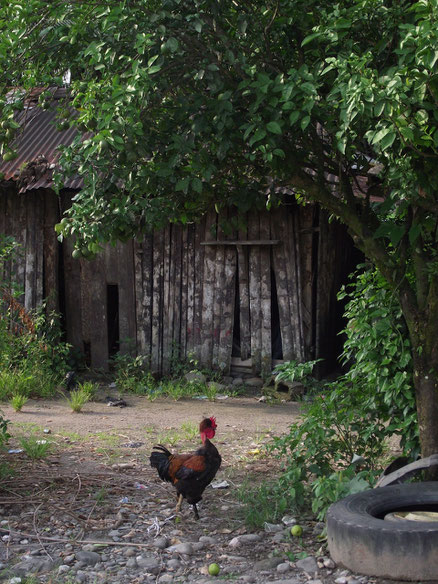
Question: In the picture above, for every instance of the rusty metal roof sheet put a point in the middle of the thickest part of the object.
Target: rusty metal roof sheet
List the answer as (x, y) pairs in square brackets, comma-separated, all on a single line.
[(39, 139)]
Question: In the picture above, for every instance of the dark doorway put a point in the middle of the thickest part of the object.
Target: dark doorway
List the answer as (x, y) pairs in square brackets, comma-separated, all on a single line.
[(112, 313), (277, 344)]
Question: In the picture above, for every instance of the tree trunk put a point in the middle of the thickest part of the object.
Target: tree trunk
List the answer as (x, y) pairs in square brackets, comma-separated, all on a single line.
[(426, 391), (424, 342)]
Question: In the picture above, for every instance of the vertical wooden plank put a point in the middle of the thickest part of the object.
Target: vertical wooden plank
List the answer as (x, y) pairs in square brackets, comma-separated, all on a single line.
[(127, 321), (208, 293), (94, 310), (218, 295), (265, 297), (254, 292), (183, 308), (72, 297), (228, 303), (285, 288), (244, 313), (157, 297), (143, 270), (198, 338), (28, 212), (51, 251), (167, 305), (305, 253), (176, 296), (39, 219), (190, 325), (20, 274)]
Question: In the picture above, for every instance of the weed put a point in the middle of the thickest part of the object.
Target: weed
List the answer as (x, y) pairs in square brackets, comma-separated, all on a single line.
[(18, 401), (171, 437), (6, 471), (78, 398), (190, 430), (90, 388), (266, 503), (101, 495), (35, 449)]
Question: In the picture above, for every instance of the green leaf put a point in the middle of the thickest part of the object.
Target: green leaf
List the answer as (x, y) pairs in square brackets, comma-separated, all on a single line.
[(308, 39), (293, 117), (274, 127)]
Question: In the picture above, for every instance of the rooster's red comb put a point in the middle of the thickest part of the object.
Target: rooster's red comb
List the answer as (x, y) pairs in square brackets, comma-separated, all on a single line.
[(213, 421)]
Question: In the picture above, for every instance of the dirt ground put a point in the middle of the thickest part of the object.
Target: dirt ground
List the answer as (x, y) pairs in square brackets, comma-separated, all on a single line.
[(96, 488), (141, 414)]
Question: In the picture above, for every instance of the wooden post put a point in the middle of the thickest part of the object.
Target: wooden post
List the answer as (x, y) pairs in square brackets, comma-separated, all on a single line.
[(255, 293)]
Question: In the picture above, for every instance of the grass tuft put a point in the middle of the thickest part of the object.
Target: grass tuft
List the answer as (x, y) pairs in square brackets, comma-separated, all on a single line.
[(34, 448), (18, 401)]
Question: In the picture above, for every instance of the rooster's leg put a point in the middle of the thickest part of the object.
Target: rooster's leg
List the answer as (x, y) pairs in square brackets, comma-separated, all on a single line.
[(195, 509), (178, 505)]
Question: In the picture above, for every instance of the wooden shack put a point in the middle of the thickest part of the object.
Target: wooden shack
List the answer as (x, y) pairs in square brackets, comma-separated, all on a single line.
[(234, 301), (237, 301)]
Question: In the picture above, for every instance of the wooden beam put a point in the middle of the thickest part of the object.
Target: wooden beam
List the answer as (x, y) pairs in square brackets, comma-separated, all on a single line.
[(244, 242)]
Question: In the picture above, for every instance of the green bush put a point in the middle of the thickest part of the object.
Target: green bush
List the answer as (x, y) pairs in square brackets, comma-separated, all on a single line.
[(357, 414)]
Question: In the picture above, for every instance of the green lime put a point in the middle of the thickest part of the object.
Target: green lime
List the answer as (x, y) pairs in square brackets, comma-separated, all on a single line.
[(296, 530), (213, 569)]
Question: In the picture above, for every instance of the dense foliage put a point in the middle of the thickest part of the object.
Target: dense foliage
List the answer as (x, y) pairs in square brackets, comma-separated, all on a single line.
[(33, 355), (191, 103), (356, 415)]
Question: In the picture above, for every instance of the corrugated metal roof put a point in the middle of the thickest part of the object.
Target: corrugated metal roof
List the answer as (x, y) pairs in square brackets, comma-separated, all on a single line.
[(39, 139)]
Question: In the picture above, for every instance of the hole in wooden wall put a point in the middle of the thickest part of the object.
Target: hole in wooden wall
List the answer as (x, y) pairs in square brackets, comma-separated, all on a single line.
[(112, 313), (277, 343)]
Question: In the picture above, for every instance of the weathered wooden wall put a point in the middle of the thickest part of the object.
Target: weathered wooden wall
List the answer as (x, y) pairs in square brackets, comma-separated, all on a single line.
[(179, 288), (186, 281), (30, 218)]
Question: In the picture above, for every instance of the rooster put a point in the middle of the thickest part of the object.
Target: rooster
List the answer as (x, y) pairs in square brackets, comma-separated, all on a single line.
[(191, 473)]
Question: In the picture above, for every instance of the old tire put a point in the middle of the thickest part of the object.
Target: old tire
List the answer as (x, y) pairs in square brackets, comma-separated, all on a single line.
[(362, 541)]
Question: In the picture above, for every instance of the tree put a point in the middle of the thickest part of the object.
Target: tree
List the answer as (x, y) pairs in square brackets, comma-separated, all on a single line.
[(200, 102)]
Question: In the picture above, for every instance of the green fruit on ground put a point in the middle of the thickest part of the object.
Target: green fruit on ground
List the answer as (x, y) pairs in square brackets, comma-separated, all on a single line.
[(213, 569), (296, 530), (77, 253)]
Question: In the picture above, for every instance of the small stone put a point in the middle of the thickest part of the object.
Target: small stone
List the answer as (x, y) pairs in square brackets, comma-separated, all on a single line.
[(63, 568), (272, 527), (308, 565), (267, 564), (329, 564), (278, 537), (81, 576), (161, 543), (283, 568), (165, 578), (174, 564), (131, 563), (181, 548), (248, 578), (88, 558), (341, 580), (130, 552), (24, 541), (15, 580), (250, 537), (237, 381), (208, 540), (235, 542), (69, 559), (148, 563)]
